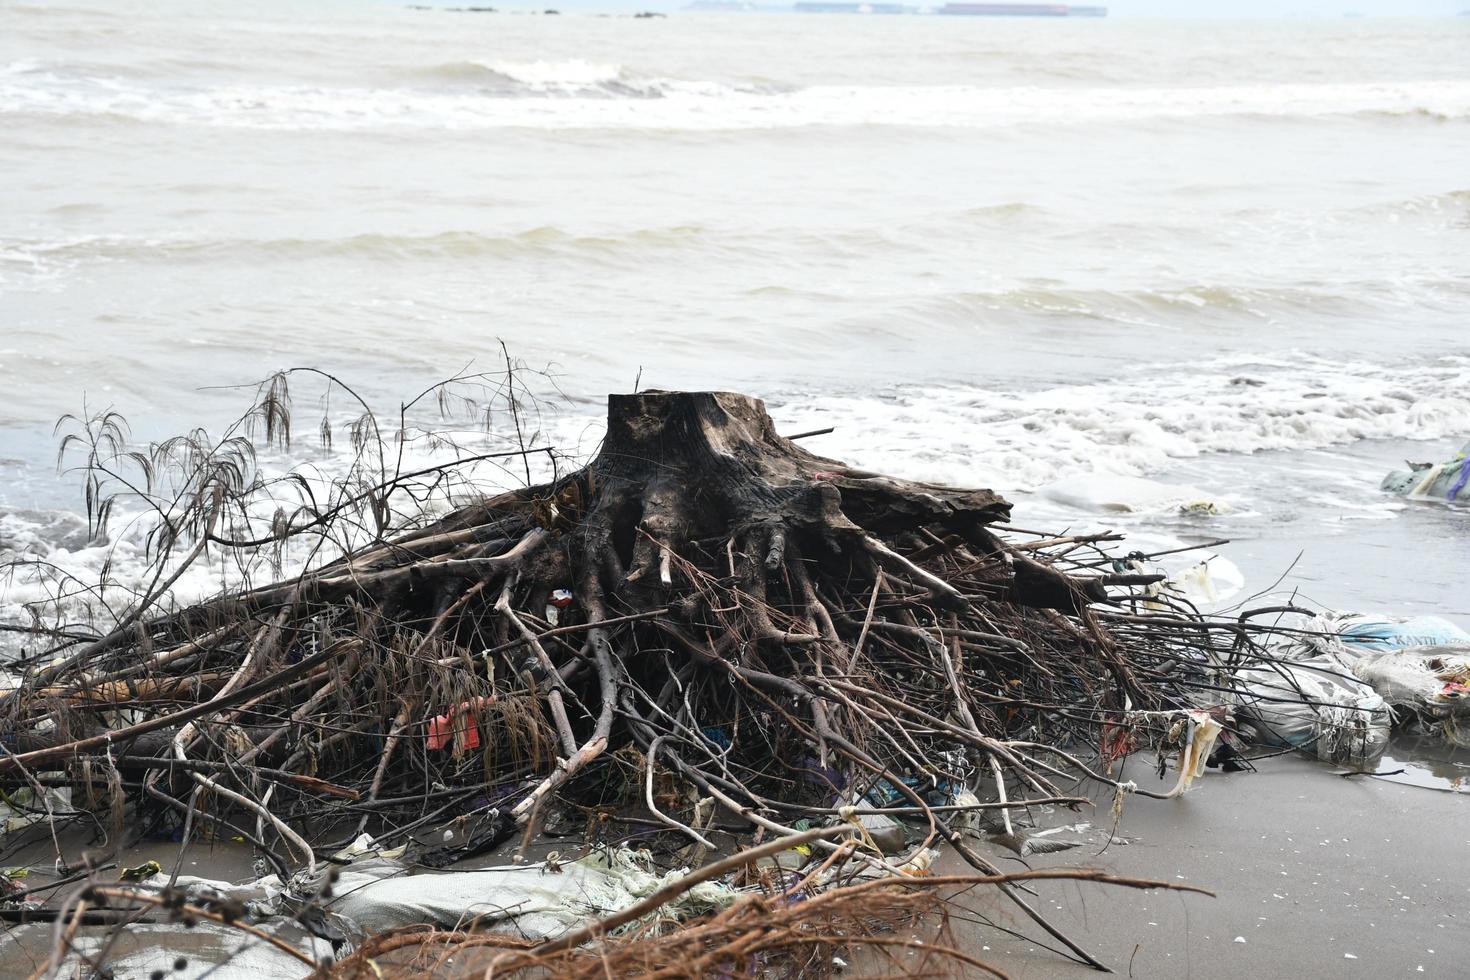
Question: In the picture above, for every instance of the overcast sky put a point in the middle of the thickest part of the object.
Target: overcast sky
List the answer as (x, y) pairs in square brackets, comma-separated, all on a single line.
[(1280, 8), (1118, 8)]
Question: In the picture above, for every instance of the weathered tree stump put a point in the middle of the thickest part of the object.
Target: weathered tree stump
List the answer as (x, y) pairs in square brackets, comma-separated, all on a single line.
[(727, 581)]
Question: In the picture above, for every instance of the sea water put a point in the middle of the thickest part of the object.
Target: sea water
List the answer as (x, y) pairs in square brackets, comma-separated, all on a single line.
[(1191, 280)]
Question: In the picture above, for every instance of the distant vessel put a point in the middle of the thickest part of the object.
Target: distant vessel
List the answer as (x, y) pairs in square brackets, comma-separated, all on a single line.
[(891, 7), (1020, 10), (830, 7)]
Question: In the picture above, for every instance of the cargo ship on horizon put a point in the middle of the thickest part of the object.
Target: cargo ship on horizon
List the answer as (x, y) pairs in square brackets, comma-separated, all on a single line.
[(1020, 10), (890, 7)]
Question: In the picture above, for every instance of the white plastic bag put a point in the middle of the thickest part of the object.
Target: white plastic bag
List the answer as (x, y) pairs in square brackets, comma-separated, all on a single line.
[(1314, 704), (534, 901), (1351, 635)]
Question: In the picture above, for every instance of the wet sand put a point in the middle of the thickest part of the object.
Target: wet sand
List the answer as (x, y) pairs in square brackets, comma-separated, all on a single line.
[(1315, 875), (1320, 876)]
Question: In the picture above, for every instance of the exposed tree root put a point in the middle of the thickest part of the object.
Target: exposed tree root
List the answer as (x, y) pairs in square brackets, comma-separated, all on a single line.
[(768, 632)]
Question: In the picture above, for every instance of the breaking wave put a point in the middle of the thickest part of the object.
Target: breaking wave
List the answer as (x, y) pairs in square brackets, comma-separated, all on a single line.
[(586, 95), (1140, 423), (35, 259), (1072, 441), (1089, 449), (574, 77)]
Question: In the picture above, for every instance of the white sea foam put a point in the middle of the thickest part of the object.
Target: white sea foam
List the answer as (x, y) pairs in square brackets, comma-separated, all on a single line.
[(673, 104), (55, 561), (1093, 450), (1138, 424)]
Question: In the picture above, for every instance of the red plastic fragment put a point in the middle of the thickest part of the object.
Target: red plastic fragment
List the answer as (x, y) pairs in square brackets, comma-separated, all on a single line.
[(461, 721)]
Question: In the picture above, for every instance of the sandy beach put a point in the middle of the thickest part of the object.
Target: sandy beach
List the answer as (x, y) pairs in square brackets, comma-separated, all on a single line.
[(1320, 876)]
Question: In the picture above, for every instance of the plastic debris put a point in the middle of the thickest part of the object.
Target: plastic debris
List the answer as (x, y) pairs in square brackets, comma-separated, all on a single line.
[(1203, 731), (364, 846), (921, 862), (212, 950), (1432, 681), (1448, 480), (1205, 582), (885, 833), (1315, 705), (788, 861), (459, 727), (376, 894), (719, 737), (560, 599), (1367, 632), (966, 821), (1038, 843), (22, 808), (1352, 634), (142, 872), (260, 898)]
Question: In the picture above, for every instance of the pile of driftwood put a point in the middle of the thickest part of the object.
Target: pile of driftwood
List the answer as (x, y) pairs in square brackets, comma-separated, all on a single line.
[(706, 630)]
